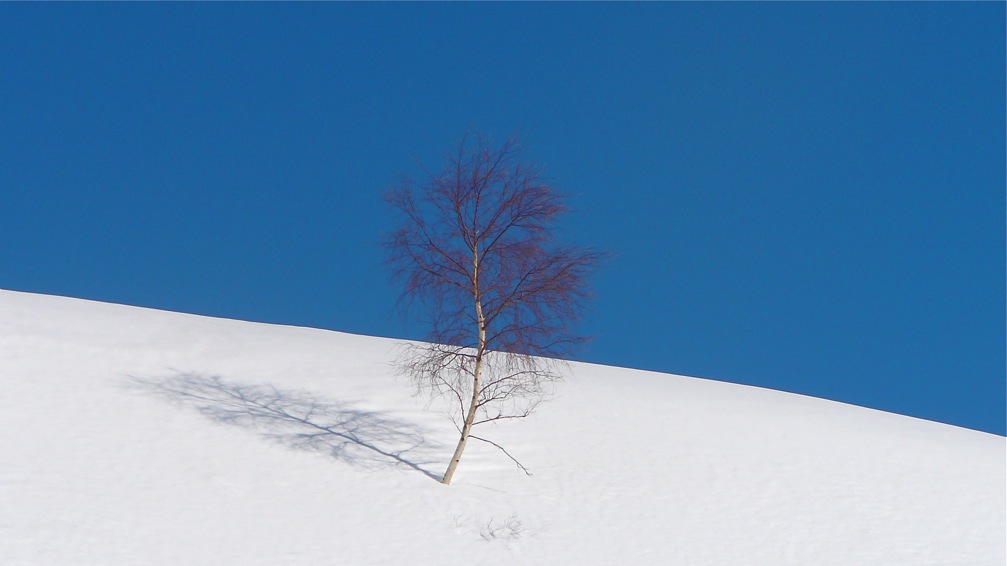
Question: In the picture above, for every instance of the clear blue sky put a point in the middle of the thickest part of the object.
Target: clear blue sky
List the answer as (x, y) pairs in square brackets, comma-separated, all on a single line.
[(803, 196)]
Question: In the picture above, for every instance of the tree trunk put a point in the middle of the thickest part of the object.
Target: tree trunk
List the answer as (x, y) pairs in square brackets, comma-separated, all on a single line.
[(470, 416), (466, 427)]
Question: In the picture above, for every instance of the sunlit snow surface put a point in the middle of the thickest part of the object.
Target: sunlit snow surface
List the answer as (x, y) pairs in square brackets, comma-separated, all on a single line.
[(133, 436)]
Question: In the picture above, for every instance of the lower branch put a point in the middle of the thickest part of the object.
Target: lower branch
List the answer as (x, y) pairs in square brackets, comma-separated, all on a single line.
[(502, 449)]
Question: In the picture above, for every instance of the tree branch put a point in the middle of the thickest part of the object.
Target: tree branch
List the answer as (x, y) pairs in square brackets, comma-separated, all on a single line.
[(502, 449)]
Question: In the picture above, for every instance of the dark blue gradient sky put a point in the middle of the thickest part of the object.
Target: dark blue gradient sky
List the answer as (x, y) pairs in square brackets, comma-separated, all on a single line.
[(803, 196)]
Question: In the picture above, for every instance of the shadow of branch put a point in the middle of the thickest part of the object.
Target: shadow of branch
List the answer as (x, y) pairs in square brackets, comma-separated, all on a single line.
[(299, 420)]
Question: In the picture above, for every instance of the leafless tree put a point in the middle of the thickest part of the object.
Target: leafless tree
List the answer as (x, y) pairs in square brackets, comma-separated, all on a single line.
[(475, 246)]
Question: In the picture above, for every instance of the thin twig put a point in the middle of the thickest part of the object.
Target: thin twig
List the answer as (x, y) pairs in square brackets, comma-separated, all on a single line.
[(502, 449)]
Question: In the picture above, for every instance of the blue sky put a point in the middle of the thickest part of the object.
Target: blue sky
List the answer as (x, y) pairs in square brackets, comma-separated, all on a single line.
[(802, 196)]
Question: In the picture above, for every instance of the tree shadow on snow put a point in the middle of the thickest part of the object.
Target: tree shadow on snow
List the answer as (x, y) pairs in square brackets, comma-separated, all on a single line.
[(300, 420)]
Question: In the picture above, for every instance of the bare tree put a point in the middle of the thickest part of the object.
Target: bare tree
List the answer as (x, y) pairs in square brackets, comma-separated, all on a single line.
[(475, 245)]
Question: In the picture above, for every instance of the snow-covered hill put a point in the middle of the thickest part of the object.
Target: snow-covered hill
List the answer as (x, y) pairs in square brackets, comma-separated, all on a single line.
[(133, 436)]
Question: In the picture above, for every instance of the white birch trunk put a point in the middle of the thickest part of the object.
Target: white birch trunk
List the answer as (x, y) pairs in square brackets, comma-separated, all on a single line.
[(476, 373)]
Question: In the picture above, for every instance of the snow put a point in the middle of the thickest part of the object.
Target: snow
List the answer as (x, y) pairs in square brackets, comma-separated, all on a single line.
[(135, 436)]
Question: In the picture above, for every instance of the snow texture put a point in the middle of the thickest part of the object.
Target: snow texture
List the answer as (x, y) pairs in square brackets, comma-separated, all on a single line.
[(135, 436)]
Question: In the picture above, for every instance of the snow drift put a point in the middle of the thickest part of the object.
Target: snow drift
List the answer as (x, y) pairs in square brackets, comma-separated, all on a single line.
[(134, 436)]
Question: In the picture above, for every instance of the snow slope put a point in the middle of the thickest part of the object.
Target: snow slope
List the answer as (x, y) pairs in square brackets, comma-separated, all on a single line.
[(134, 436)]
